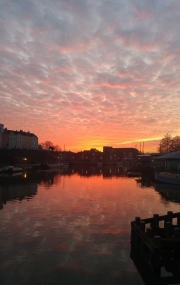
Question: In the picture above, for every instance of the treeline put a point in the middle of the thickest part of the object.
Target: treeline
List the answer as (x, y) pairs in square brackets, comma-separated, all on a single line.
[(169, 144)]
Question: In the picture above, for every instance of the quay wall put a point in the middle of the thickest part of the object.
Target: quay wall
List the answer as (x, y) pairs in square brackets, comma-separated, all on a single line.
[(26, 156)]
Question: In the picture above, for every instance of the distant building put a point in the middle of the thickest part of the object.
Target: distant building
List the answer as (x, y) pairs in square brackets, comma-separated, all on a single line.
[(17, 139), (1, 131), (111, 154), (1, 128)]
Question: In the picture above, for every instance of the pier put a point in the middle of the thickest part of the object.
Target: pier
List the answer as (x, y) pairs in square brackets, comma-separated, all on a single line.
[(156, 241)]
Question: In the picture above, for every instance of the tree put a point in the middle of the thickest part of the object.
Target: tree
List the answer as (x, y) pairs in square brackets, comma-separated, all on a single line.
[(175, 144), (50, 145), (47, 144), (51, 148), (165, 144), (57, 148)]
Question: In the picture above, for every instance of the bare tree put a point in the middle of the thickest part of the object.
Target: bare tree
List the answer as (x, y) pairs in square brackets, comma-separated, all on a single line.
[(50, 145), (175, 144), (47, 144), (165, 144), (57, 148)]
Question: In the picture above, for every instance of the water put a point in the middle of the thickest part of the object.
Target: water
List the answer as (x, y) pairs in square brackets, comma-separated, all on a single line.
[(74, 228)]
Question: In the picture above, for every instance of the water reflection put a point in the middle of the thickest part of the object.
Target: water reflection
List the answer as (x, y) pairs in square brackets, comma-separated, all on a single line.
[(76, 228), (168, 192), (23, 185), (104, 171)]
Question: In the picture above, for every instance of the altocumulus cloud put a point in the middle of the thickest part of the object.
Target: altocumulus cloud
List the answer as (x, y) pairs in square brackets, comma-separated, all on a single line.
[(84, 69)]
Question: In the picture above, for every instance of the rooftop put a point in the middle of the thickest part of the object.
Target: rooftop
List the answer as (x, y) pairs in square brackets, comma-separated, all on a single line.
[(170, 155)]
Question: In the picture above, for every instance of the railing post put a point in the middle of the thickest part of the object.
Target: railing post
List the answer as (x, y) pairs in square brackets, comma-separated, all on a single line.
[(169, 216), (149, 232), (155, 223), (142, 226), (137, 220), (169, 229), (178, 220), (157, 256), (176, 232)]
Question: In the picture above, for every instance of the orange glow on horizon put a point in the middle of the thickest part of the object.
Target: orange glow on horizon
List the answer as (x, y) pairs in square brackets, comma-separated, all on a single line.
[(147, 145)]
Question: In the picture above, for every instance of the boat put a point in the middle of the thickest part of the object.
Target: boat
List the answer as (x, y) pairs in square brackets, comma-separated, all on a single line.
[(168, 177), (50, 166), (120, 163), (11, 169), (65, 165), (11, 174), (133, 174)]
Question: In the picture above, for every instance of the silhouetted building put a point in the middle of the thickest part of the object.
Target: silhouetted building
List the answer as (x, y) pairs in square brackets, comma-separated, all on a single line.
[(17, 139)]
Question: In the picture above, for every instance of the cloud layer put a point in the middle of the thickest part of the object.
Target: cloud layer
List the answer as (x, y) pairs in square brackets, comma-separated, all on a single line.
[(90, 73)]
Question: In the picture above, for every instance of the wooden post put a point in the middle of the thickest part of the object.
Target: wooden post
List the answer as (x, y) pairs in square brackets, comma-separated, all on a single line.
[(178, 220), (155, 223), (157, 256), (142, 226), (134, 235), (157, 240), (169, 216), (137, 220), (169, 229), (149, 232), (176, 232)]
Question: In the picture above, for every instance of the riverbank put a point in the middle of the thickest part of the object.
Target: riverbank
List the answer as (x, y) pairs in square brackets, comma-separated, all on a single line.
[(26, 156)]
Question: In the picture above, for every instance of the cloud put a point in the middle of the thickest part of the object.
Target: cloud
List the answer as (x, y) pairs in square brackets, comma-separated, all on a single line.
[(108, 67)]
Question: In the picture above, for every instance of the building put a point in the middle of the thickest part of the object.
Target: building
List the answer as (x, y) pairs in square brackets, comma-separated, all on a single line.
[(17, 139), (117, 155), (12, 140), (1, 131), (168, 162), (109, 156)]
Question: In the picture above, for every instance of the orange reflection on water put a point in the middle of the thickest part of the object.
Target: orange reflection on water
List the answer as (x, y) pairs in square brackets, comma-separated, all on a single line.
[(76, 223)]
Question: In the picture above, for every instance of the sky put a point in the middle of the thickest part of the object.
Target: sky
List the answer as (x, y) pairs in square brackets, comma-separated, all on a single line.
[(91, 73)]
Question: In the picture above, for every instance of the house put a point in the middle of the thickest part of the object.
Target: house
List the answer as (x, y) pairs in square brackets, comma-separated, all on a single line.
[(168, 162), (17, 139)]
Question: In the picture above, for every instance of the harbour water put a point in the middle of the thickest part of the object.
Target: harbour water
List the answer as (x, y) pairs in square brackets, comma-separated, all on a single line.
[(74, 227)]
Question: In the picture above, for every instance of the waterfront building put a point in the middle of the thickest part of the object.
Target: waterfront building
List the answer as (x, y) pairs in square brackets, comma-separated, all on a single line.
[(5, 139), (34, 141), (17, 139), (168, 162), (27, 141), (116, 155), (1, 128), (1, 131), (109, 155), (12, 139)]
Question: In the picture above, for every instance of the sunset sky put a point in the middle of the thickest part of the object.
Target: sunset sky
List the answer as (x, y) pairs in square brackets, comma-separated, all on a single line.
[(91, 73)]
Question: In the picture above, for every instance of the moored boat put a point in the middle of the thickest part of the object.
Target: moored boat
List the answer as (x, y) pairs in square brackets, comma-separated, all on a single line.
[(168, 177), (65, 165), (133, 174), (49, 166), (11, 169)]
